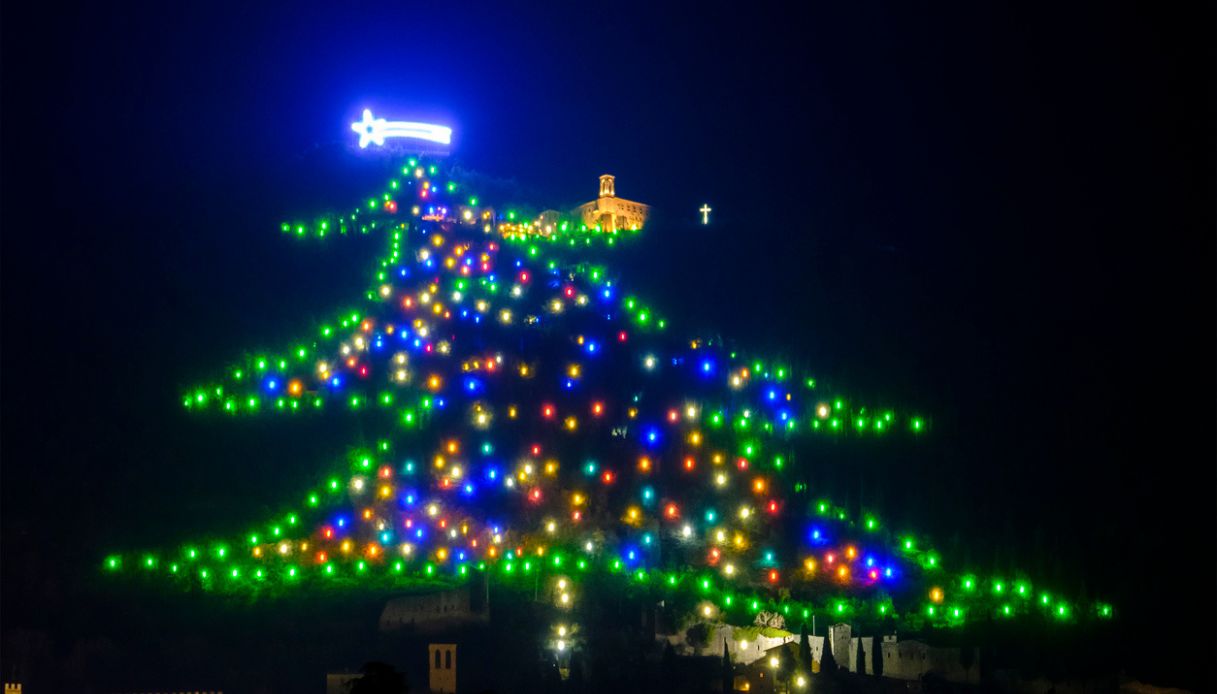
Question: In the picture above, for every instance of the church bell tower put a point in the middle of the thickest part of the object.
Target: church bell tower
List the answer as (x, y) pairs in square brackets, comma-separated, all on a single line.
[(607, 187)]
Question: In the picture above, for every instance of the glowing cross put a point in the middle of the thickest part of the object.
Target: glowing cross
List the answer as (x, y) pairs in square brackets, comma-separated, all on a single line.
[(705, 213), (377, 129)]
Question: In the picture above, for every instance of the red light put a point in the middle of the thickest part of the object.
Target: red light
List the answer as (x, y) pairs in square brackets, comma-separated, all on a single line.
[(321, 557), (714, 555), (597, 409), (773, 506), (742, 463), (363, 371), (607, 477), (672, 511), (773, 576), (535, 495), (391, 206), (830, 557), (577, 516), (536, 449), (874, 574), (385, 471), (547, 411), (622, 337), (569, 291), (524, 276), (328, 533), (689, 463), (673, 415)]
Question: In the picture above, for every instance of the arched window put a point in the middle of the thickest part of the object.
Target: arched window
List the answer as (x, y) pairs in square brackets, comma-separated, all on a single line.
[(448, 659), (437, 659)]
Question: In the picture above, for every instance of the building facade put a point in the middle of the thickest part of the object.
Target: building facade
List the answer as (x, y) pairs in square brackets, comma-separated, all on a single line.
[(610, 212)]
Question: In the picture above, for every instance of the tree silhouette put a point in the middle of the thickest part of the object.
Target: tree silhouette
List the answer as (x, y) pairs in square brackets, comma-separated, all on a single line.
[(728, 672), (379, 678), (804, 648)]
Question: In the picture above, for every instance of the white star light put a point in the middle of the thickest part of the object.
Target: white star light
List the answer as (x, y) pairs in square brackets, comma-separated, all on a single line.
[(375, 130)]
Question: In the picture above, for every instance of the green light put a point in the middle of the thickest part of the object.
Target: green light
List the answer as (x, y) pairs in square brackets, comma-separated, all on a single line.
[(113, 563)]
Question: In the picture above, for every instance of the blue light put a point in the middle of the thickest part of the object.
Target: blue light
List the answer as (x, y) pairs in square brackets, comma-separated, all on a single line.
[(707, 366), (439, 403), (646, 538), (386, 537), (591, 347), (271, 384), (652, 436), (410, 500), (492, 473), (569, 384), (341, 522), (418, 533), (647, 493), (772, 395), (468, 489), (472, 385)]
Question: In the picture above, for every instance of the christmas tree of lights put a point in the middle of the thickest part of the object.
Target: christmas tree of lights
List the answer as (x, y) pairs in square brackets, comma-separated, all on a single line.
[(539, 423)]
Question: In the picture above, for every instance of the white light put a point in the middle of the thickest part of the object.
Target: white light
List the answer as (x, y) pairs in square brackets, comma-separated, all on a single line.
[(773, 661), (561, 645), (801, 681), (704, 209), (375, 130)]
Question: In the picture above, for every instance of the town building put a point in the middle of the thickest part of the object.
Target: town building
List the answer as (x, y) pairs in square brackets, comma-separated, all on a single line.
[(610, 212), (441, 668)]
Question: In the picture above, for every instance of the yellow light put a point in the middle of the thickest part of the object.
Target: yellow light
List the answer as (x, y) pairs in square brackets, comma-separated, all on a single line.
[(936, 594), (809, 565)]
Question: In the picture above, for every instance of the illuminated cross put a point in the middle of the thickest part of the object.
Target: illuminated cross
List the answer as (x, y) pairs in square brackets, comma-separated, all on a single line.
[(705, 213)]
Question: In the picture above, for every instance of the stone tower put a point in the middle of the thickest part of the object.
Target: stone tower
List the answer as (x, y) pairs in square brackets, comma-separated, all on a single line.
[(607, 188)]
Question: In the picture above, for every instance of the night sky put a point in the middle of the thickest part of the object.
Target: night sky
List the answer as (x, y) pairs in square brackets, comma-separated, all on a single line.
[(999, 216)]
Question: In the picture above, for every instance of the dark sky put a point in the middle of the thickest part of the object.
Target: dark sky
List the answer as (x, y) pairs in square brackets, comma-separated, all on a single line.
[(1001, 215)]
